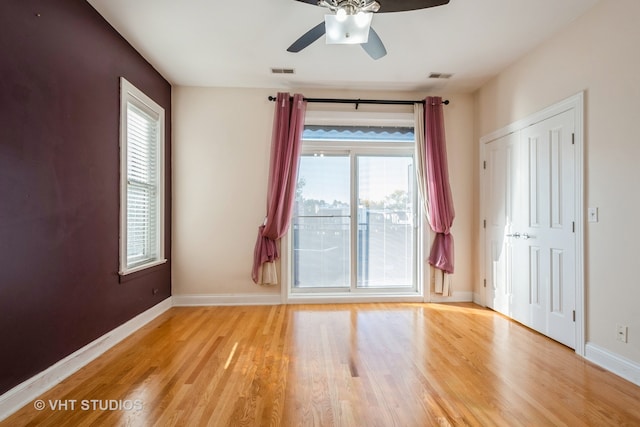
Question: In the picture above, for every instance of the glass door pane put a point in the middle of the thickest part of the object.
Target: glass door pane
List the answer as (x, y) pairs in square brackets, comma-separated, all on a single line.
[(386, 237), (322, 223)]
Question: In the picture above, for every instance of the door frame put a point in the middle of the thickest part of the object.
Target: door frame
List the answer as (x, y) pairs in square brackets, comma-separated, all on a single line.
[(423, 235), (575, 103)]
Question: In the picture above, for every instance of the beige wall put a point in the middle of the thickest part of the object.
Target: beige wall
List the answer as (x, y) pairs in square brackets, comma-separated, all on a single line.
[(219, 169), (598, 54), (220, 164)]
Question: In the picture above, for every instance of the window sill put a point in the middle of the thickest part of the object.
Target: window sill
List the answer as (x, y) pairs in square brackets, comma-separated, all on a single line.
[(335, 297), (125, 276)]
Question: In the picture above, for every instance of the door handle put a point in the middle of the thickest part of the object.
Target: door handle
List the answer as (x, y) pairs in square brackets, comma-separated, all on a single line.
[(523, 235)]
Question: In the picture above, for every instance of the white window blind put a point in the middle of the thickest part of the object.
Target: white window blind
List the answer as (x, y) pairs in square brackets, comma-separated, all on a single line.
[(142, 190)]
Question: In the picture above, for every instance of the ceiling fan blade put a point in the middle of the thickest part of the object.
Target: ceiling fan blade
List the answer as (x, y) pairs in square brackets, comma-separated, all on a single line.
[(307, 38), (387, 6), (313, 2), (374, 47)]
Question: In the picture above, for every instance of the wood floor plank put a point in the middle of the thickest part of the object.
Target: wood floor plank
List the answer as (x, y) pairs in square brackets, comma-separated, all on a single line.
[(338, 365)]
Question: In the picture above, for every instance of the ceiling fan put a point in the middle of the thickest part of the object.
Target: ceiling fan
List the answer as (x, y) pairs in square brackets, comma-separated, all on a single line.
[(350, 22)]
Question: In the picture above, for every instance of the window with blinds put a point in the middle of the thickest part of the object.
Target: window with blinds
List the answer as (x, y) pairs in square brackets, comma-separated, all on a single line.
[(142, 176)]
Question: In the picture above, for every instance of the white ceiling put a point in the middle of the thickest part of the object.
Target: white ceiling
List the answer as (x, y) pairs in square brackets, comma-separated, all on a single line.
[(236, 43)]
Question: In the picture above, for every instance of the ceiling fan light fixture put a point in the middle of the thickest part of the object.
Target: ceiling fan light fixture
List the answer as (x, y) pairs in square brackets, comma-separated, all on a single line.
[(352, 29), (362, 20), (372, 6), (360, 31)]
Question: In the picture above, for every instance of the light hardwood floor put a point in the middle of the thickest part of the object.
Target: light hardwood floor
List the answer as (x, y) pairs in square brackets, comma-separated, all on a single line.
[(338, 365)]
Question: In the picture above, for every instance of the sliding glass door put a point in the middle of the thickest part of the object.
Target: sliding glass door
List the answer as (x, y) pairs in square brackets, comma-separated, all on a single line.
[(354, 222), (386, 236), (322, 223)]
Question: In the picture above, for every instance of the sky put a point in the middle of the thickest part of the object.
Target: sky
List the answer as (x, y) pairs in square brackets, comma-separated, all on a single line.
[(327, 177)]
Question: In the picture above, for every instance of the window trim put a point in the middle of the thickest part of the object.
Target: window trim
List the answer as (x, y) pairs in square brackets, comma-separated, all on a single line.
[(130, 94), (416, 293)]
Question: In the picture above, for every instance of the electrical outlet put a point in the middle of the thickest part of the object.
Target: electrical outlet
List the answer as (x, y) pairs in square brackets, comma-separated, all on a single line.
[(621, 333)]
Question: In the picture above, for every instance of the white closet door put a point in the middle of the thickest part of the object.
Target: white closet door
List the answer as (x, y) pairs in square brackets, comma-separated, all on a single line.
[(548, 232), (502, 157), (530, 241)]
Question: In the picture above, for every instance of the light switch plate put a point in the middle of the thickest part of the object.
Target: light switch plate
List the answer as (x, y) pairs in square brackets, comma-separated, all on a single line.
[(592, 214)]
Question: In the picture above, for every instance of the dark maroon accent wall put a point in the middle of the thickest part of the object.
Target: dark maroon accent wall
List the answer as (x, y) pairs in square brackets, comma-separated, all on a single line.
[(59, 183)]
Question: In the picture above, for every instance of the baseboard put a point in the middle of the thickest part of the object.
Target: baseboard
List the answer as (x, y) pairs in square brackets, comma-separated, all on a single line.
[(25, 392), (466, 296), (625, 368), (477, 298), (226, 299)]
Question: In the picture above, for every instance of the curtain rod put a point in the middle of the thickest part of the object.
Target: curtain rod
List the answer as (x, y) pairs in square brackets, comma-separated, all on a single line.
[(362, 101)]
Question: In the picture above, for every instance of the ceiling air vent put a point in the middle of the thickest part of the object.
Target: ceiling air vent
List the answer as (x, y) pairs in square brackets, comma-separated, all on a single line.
[(440, 75), (283, 71)]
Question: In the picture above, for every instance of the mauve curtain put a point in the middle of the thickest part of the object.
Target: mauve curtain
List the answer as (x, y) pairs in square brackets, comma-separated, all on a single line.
[(288, 124), (433, 185)]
